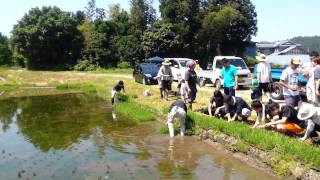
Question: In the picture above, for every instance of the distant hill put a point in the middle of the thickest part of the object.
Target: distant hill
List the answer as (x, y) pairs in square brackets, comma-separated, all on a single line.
[(309, 43)]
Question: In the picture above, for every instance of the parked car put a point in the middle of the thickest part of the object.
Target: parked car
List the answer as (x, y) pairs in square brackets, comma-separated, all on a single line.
[(278, 64), (213, 75), (178, 67), (146, 73), (155, 60)]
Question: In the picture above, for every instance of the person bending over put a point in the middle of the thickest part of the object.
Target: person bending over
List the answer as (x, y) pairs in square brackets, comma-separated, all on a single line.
[(177, 109), (236, 107), (261, 111), (116, 89), (215, 105), (311, 115), (285, 119)]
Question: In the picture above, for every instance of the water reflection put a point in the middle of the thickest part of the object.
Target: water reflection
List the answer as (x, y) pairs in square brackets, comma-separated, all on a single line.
[(56, 122)]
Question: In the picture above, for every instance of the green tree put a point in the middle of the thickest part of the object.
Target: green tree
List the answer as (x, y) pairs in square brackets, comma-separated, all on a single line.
[(120, 18), (216, 26), (142, 15), (160, 40), (48, 38), (90, 10), (5, 52), (129, 49)]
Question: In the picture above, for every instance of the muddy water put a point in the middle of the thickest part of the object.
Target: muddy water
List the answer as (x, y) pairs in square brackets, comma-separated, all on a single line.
[(76, 136)]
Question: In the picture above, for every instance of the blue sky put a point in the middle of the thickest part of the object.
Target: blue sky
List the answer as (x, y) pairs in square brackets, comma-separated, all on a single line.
[(277, 19)]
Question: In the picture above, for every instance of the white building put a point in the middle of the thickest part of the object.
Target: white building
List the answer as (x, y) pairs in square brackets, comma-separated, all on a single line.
[(281, 52)]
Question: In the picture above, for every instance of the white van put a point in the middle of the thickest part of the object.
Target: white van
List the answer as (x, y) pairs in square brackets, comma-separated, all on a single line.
[(213, 75), (178, 67)]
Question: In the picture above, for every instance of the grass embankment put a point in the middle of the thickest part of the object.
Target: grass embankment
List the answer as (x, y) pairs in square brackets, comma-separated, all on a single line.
[(262, 139)]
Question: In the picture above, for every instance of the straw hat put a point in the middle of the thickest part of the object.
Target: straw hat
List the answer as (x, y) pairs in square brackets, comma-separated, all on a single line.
[(306, 112), (166, 62), (296, 60), (261, 57)]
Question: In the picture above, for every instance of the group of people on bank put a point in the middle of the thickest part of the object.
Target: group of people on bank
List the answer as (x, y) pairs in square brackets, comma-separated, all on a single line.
[(293, 116)]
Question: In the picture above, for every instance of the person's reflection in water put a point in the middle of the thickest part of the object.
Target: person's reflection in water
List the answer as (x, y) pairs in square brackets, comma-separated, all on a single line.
[(171, 149), (114, 116)]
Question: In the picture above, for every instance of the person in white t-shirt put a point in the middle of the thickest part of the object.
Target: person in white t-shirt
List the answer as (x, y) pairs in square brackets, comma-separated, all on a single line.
[(264, 75), (289, 82)]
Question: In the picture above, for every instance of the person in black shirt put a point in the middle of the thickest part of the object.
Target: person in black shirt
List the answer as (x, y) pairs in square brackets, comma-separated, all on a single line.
[(286, 119), (236, 107), (177, 109), (191, 82), (116, 89), (216, 104)]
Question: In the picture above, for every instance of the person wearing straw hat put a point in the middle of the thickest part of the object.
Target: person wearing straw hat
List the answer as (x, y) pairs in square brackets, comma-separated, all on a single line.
[(264, 75), (165, 75), (311, 115), (289, 82)]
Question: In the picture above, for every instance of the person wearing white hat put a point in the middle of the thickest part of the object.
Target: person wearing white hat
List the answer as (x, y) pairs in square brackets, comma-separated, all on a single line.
[(289, 82), (311, 115), (264, 75), (165, 75)]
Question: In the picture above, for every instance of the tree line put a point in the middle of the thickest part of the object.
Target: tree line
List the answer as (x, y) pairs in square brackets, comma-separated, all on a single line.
[(48, 38)]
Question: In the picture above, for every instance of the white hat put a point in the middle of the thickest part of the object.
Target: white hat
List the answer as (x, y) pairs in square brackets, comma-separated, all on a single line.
[(261, 57), (306, 112), (166, 62)]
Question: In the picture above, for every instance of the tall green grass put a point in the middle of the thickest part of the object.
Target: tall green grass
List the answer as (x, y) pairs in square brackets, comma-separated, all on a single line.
[(86, 88), (263, 139), (138, 112)]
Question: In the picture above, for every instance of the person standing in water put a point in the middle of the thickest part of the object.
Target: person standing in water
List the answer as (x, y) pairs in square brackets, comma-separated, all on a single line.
[(116, 89), (177, 109)]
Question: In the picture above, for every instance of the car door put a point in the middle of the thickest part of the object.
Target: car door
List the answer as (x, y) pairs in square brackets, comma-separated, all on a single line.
[(217, 66)]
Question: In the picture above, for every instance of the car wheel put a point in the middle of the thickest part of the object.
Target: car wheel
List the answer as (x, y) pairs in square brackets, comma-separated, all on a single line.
[(218, 84), (277, 93), (202, 82), (144, 81)]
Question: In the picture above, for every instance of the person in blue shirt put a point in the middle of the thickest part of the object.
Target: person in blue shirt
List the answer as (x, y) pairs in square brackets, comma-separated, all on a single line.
[(229, 74)]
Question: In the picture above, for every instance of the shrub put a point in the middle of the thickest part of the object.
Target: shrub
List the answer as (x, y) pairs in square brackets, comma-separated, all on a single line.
[(19, 59), (85, 65), (123, 65), (250, 61)]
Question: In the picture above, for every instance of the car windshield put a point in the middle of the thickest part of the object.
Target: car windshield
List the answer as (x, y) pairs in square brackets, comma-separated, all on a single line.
[(239, 63), (149, 68), (183, 63)]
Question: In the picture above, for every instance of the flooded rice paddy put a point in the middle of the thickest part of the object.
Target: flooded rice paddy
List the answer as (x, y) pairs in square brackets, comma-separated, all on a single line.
[(76, 136)]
